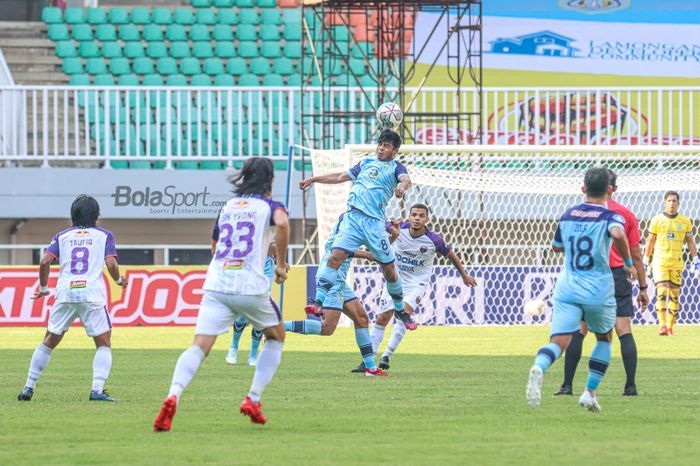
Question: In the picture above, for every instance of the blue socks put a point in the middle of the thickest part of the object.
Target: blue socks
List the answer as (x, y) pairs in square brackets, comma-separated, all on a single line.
[(364, 342), (598, 364), (305, 327), (256, 337), (547, 355), (396, 293), (238, 327), (324, 282)]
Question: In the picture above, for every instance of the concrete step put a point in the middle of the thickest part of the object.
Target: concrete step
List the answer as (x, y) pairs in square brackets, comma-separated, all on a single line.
[(25, 68), (22, 29), (40, 78), (26, 58), (28, 43)]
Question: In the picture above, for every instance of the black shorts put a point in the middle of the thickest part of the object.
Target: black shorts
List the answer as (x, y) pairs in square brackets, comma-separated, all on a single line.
[(623, 292)]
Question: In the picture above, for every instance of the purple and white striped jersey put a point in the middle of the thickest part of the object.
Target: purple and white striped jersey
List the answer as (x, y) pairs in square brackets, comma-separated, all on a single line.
[(415, 256), (243, 231), (81, 254)]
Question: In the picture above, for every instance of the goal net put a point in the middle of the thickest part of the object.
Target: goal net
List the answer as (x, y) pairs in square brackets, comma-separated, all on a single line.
[(497, 206)]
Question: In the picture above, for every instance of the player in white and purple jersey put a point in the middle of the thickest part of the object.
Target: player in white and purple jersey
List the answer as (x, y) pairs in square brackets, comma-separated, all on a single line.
[(82, 251), (416, 248), (236, 285)]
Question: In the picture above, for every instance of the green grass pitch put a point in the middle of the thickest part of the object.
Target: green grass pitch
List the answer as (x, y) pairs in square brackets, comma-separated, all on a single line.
[(455, 396)]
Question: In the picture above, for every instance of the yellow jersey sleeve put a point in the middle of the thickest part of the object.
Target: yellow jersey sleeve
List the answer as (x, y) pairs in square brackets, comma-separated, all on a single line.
[(654, 225)]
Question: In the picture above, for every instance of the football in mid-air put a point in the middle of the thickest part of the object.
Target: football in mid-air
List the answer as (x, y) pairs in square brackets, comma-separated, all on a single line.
[(389, 115)]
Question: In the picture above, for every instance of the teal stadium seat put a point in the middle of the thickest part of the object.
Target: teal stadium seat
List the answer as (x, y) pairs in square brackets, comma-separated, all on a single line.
[(259, 66), (129, 80), (156, 50), (294, 80), (140, 16), (201, 80), (179, 49), (237, 66), (143, 66), (340, 33), (118, 16), (222, 32), (104, 79), (177, 80), (228, 17), (96, 16), (270, 49), (105, 33), (190, 66), (269, 32), (73, 16), (213, 66), (248, 80), (291, 15), (223, 3), (358, 67), (89, 49), (363, 49), (225, 50), (82, 32), (248, 16), (273, 80), (167, 66), (161, 16), (65, 49), (58, 32), (175, 33), (153, 33), (202, 50), (248, 49), (96, 66), (292, 50), (51, 15), (270, 16), (72, 66), (245, 3), (224, 80), (205, 16), (183, 16), (283, 66), (112, 50), (129, 33), (134, 50), (246, 32), (267, 3), (199, 32), (292, 31), (200, 3)]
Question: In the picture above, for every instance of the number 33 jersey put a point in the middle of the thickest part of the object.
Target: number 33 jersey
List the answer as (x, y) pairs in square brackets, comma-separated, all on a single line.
[(242, 233), (81, 254), (584, 234)]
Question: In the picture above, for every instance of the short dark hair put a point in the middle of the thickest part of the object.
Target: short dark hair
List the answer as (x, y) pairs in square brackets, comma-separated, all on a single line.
[(420, 206), (390, 136), (613, 178), (84, 211), (672, 193), (254, 178), (596, 180)]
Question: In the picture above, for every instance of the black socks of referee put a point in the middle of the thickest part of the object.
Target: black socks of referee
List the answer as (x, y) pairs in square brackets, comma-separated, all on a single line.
[(628, 348), (571, 358)]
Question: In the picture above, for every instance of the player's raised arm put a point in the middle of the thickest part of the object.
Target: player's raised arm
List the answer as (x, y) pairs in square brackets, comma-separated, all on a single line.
[(332, 178), (620, 240), (281, 219), (457, 263)]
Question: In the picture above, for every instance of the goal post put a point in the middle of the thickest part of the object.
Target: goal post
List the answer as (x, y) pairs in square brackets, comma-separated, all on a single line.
[(497, 206)]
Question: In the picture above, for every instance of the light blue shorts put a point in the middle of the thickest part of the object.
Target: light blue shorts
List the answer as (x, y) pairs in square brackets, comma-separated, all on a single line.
[(357, 229), (341, 292), (566, 317)]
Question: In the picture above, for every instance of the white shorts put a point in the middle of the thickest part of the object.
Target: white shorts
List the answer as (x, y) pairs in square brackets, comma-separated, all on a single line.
[(218, 311), (412, 295), (94, 317)]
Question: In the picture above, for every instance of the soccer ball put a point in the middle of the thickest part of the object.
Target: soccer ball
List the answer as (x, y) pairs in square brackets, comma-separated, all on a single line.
[(389, 115), (534, 308)]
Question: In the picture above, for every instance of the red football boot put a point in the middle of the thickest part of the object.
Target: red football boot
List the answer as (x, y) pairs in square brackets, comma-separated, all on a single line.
[(377, 372), (166, 414), (253, 410), (313, 310)]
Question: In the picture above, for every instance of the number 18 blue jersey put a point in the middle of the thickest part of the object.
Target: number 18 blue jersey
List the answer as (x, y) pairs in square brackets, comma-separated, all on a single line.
[(584, 234)]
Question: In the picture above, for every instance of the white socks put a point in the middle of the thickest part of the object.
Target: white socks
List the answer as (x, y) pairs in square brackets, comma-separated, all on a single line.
[(376, 336), (40, 359), (186, 367), (101, 366), (396, 337), (268, 361)]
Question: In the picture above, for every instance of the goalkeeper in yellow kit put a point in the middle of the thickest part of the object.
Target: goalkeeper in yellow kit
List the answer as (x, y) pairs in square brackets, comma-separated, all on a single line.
[(667, 233)]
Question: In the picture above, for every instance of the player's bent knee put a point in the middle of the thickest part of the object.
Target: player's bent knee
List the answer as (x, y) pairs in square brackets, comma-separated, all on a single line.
[(205, 342), (275, 333), (51, 340), (623, 326), (604, 336), (384, 318)]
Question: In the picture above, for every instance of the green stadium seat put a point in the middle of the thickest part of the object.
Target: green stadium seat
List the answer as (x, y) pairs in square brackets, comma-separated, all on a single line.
[(140, 16), (248, 80), (223, 3), (225, 50), (52, 15), (183, 16), (292, 49), (118, 16), (283, 66), (134, 50), (340, 33), (213, 66), (154, 33), (135, 98), (175, 33), (205, 16), (128, 80), (200, 3), (363, 49), (294, 80), (201, 80), (89, 49), (228, 17), (112, 50), (65, 49), (72, 66), (292, 31), (154, 80), (129, 33), (270, 49), (190, 66), (273, 80), (104, 79), (333, 68), (82, 32), (105, 33), (222, 32), (142, 114), (58, 32), (156, 50), (96, 66), (236, 66), (358, 67), (246, 32), (267, 3), (143, 66), (245, 3), (259, 66), (270, 17), (199, 32), (248, 49), (177, 80), (224, 80), (291, 15), (161, 16), (167, 66), (248, 16), (202, 50), (179, 49), (269, 32), (73, 16)]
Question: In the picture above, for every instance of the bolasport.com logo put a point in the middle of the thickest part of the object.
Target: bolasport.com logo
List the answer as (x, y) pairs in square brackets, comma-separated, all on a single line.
[(167, 200)]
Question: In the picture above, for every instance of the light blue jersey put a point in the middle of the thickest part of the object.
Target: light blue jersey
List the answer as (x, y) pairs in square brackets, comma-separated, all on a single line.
[(341, 292), (269, 271), (374, 183)]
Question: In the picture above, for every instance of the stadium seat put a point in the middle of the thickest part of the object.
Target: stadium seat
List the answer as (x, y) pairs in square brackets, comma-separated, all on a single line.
[(154, 33), (73, 15), (213, 66), (111, 50), (129, 33), (143, 66), (140, 16), (176, 80), (105, 33), (222, 32), (190, 66), (273, 80), (225, 50), (357, 66), (96, 66), (118, 16), (246, 32), (176, 32), (248, 80), (200, 80), (51, 15), (58, 32), (180, 49), (199, 32), (248, 49), (228, 17), (183, 16), (224, 80), (363, 49), (161, 16), (104, 79), (294, 80), (96, 16), (270, 17), (269, 32), (283, 66), (128, 80), (292, 49), (236, 66), (82, 32), (72, 66), (65, 49), (292, 31), (291, 16), (340, 33), (248, 16), (200, 3), (245, 3), (202, 50), (156, 50), (205, 16), (89, 49), (133, 50), (270, 49), (259, 66), (167, 66)]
